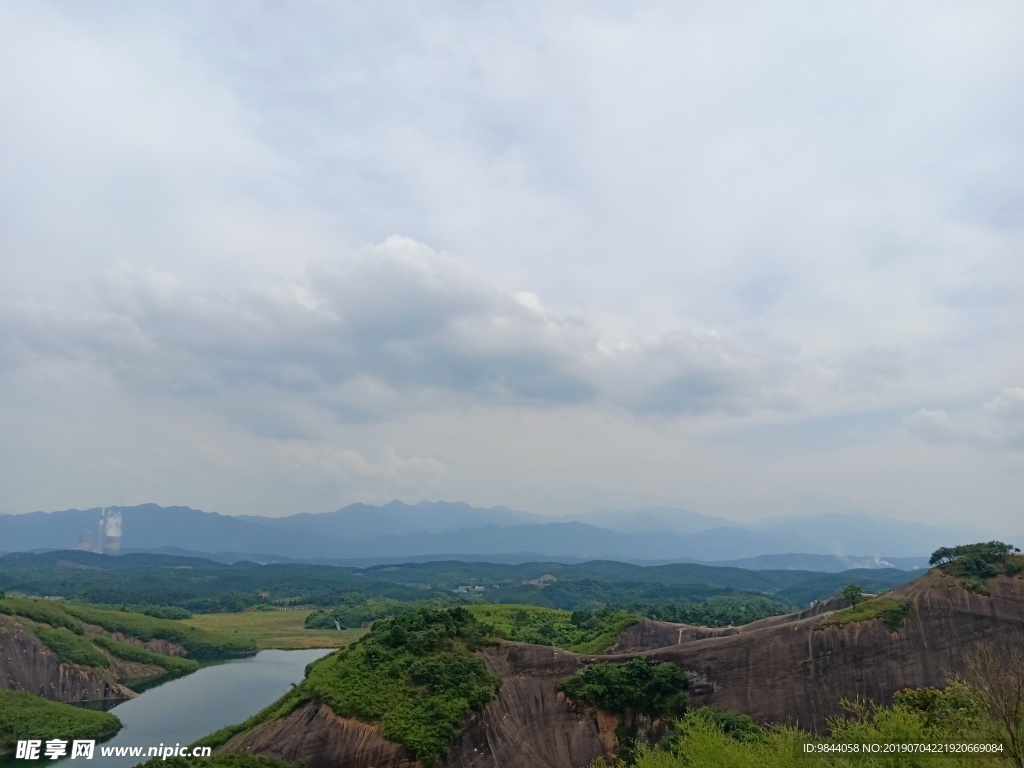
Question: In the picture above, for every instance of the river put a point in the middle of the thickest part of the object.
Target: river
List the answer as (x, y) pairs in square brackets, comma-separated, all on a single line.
[(190, 707)]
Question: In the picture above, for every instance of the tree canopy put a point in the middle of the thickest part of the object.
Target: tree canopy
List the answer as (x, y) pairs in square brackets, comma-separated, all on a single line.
[(852, 592)]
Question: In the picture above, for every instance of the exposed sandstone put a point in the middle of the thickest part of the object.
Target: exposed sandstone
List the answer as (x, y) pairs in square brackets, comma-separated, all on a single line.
[(776, 670), (528, 725), (788, 671), (28, 665)]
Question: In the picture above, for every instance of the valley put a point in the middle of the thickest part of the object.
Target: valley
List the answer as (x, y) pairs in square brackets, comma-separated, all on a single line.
[(800, 667)]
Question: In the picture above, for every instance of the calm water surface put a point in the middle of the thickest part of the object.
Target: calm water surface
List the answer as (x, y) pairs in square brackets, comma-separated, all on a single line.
[(193, 706)]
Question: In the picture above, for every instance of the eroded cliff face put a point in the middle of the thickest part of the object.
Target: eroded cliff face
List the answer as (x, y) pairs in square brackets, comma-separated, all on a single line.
[(528, 725), (28, 665), (789, 671), (317, 737), (779, 669)]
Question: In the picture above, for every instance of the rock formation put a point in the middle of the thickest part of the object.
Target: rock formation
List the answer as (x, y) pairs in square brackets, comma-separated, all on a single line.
[(28, 665), (779, 669)]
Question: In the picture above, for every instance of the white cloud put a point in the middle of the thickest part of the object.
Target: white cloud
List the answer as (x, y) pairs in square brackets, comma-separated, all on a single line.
[(931, 425), (1008, 405), (393, 328), (998, 424), (670, 219)]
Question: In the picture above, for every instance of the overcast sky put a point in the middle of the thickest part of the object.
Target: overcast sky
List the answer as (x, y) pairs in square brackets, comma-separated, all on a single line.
[(748, 259)]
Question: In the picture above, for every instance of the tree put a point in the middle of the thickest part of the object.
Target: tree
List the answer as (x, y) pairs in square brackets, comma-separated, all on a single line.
[(852, 592), (989, 552)]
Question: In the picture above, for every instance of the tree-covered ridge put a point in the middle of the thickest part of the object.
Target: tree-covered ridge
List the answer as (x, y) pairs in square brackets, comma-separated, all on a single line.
[(198, 644), (724, 610), (61, 627), (204, 586), (579, 631), (415, 675), (975, 563), (639, 685), (353, 610), (972, 558), (134, 653), (27, 716)]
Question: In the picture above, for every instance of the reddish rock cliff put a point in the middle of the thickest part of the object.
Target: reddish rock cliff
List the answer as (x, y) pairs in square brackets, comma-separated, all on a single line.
[(28, 665), (528, 725), (776, 670), (787, 670)]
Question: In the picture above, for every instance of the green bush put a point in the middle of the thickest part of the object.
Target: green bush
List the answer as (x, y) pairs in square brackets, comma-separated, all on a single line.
[(706, 739), (890, 610), (974, 584), (715, 610), (198, 643), (27, 716), (70, 648), (414, 675), (49, 612), (130, 652), (639, 684), (953, 709), (579, 631), (357, 610)]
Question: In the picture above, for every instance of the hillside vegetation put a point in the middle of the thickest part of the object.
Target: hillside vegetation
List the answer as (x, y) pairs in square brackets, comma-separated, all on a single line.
[(142, 656), (414, 675), (890, 610), (974, 564), (61, 626), (198, 644), (159, 584), (282, 629), (711, 738), (579, 631), (27, 716), (640, 685)]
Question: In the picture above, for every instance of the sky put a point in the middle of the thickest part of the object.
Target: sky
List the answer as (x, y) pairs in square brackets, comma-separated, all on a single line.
[(749, 260)]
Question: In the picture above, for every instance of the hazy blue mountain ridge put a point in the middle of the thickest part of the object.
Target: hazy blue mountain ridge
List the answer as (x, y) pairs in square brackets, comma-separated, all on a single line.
[(434, 529)]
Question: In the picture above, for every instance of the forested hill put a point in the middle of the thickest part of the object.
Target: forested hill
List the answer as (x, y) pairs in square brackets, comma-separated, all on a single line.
[(203, 585)]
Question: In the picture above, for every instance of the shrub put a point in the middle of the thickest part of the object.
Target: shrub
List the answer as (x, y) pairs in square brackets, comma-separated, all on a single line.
[(130, 652), (639, 684), (579, 631), (414, 675), (48, 612), (199, 644), (71, 648), (890, 610), (27, 716), (974, 584)]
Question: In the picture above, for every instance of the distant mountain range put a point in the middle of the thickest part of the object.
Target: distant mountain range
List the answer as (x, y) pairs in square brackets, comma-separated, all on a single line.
[(362, 533)]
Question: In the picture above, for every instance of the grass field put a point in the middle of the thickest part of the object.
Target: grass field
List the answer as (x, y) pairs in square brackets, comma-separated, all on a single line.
[(274, 629)]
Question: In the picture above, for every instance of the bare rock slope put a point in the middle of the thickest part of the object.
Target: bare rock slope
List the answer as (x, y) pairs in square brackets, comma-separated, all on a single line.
[(28, 665)]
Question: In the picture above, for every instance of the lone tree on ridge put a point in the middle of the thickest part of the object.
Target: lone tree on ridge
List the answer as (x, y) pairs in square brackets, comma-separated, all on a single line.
[(852, 592)]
